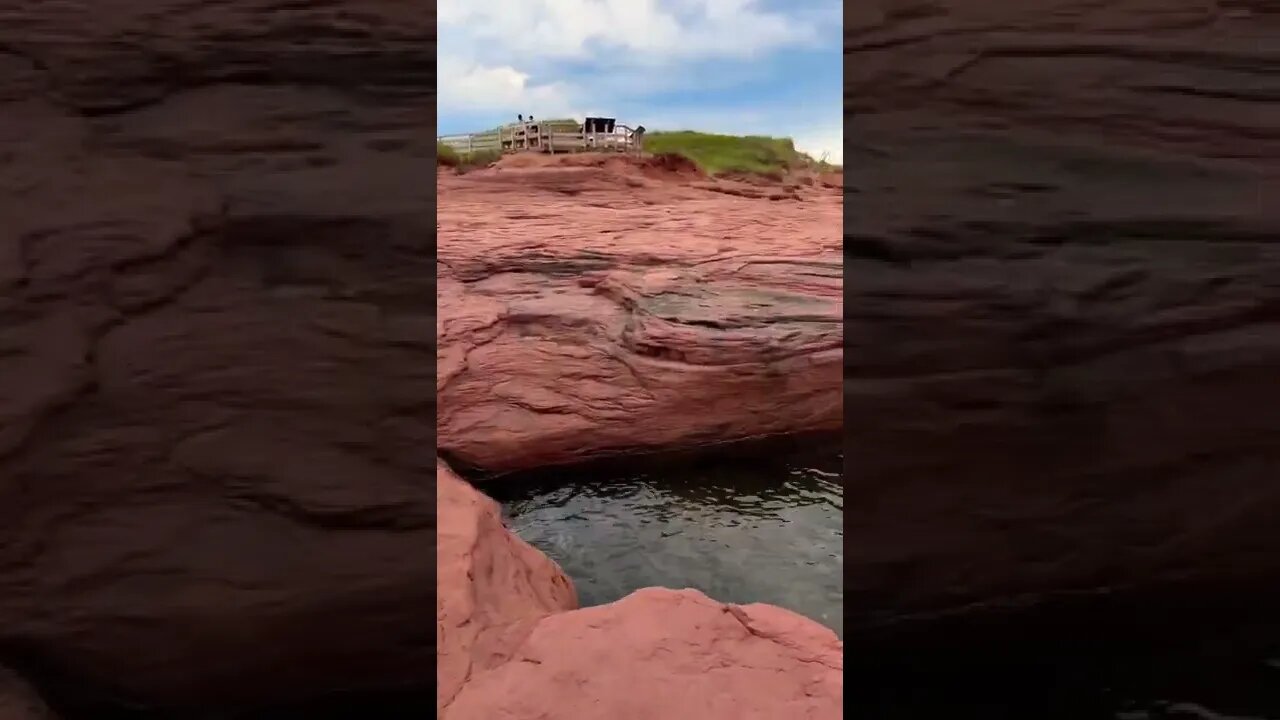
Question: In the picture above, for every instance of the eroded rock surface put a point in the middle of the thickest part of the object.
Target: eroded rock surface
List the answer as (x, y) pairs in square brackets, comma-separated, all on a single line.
[(216, 395), (665, 653), (595, 306), (1064, 329), (491, 586), (512, 645)]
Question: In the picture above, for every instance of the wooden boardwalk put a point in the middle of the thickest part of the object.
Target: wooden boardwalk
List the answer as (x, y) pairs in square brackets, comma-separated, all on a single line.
[(551, 136)]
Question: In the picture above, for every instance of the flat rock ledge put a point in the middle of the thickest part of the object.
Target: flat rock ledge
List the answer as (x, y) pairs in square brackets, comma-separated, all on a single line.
[(588, 311), (513, 645)]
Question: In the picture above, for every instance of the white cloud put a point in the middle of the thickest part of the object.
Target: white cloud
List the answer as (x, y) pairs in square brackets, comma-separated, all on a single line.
[(567, 58), (822, 143), (645, 29), (471, 86), (490, 53)]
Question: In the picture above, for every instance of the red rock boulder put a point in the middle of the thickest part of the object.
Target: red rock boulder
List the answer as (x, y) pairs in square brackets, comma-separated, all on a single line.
[(661, 653), (491, 586)]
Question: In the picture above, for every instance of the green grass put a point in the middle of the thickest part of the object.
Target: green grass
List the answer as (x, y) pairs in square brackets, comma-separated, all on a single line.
[(720, 154), (563, 124), (447, 156)]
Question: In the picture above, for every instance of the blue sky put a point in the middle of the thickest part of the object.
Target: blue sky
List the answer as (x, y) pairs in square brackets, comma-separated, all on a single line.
[(733, 66)]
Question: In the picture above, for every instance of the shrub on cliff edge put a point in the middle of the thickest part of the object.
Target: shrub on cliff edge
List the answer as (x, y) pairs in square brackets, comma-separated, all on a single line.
[(446, 156)]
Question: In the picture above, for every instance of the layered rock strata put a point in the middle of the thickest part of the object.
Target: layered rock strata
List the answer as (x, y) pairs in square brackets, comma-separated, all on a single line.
[(600, 306)]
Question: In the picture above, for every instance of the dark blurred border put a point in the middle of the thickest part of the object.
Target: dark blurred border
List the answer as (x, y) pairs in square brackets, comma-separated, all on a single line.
[(1062, 290)]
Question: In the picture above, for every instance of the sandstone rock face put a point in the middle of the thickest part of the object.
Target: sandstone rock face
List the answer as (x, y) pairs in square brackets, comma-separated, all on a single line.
[(512, 645), (661, 653), (216, 396), (1064, 327), (593, 306), (491, 586), (18, 701)]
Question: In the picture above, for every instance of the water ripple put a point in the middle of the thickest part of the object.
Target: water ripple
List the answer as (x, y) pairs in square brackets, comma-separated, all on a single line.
[(741, 529)]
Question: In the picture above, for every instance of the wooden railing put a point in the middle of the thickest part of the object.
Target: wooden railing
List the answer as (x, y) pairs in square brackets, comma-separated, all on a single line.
[(472, 142), (546, 137)]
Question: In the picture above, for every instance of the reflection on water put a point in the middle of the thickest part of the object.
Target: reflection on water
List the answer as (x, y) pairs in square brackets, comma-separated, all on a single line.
[(742, 528)]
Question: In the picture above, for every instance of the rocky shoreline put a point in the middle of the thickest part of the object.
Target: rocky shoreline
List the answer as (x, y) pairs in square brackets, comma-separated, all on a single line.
[(595, 307), (513, 643)]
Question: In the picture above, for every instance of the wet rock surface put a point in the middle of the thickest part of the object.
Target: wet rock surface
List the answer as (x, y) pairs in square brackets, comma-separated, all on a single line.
[(593, 306), (216, 397), (1064, 319)]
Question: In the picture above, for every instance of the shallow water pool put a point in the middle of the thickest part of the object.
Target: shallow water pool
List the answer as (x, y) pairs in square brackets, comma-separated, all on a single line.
[(766, 526), (747, 525)]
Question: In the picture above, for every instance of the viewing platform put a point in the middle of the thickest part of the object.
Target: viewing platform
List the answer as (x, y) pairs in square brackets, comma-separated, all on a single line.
[(551, 136)]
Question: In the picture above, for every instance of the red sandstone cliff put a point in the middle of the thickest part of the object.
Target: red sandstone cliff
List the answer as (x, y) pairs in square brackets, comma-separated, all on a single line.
[(597, 305)]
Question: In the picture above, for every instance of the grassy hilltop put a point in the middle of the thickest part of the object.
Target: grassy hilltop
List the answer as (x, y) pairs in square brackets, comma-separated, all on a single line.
[(742, 154), (714, 154)]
